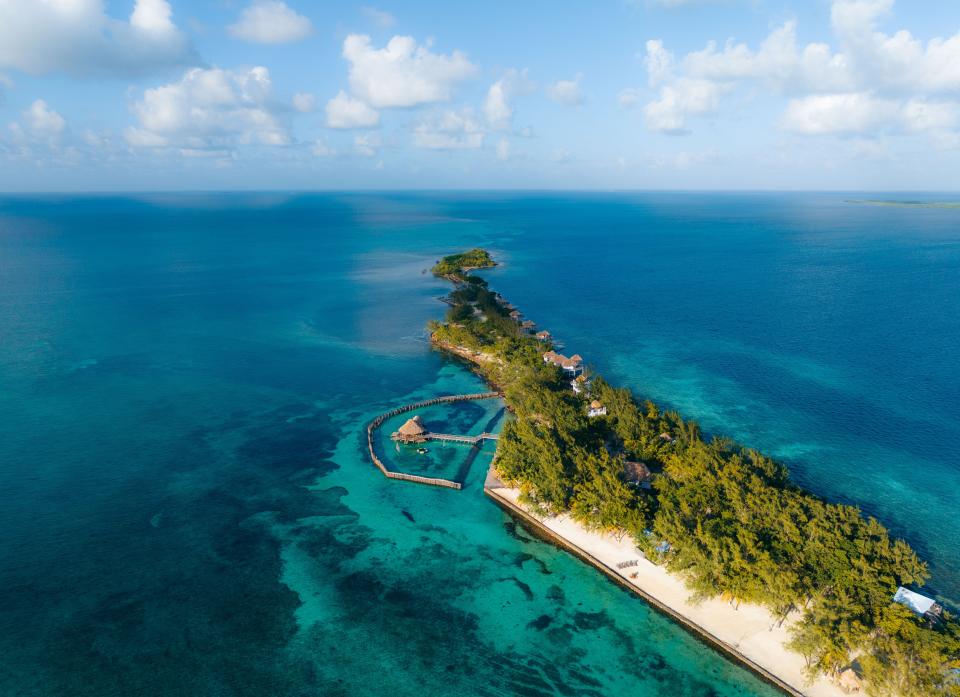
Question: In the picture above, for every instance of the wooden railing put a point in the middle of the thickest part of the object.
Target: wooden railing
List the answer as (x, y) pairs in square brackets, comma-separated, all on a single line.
[(433, 481)]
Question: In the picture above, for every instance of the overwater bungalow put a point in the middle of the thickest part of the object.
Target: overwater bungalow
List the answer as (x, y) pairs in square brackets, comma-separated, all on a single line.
[(413, 431), (920, 604), (528, 325), (596, 409), (543, 336)]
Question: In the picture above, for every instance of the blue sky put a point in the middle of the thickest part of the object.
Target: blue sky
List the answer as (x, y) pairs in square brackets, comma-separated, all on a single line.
[(625, 94)]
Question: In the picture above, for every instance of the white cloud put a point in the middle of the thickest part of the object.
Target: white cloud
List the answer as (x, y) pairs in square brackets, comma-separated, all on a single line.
[(343, 111), (270, 22), (43, 120), (304, 102), (94, 139), (503, 150), (658, 61), (403, 74), (838, 113), (367, 144), (860, 112), (452, 130), (677, 101), (779, 63), (208, 109), (498, 106), (566, 91), (898, 61), (382, 19), (78, 38), (869, 82)]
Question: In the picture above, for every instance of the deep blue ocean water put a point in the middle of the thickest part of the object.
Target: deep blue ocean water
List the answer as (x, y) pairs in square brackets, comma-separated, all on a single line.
[(185, 503)]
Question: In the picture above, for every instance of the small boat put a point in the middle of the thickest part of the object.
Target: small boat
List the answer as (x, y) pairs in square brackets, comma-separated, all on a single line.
[(422, 451)]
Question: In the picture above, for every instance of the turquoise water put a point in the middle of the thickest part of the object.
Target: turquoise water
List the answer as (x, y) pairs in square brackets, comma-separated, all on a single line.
[(186, 506)]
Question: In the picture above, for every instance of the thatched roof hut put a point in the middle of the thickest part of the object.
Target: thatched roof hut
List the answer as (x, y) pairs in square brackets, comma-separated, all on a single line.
[(596, 409), (412, 431)]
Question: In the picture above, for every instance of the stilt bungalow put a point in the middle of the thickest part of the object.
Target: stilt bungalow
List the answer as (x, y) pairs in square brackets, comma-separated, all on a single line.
[(413, 431), (543, 336)]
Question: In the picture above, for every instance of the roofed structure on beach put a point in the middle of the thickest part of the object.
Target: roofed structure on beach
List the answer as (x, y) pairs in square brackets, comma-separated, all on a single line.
[(572, 365), (528, 324), (849, 681), (919, 603), (412, 431), (515, 314), (543, 336)]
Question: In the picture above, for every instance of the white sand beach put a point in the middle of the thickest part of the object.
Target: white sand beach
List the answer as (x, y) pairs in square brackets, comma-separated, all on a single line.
[(749, 630)]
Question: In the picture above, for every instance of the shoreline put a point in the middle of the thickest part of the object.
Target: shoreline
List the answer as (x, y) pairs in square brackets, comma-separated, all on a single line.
[(737, 633), (713, 621)]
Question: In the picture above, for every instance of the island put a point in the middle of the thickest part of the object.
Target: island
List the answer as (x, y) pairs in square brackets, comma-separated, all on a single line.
[(811, 595), (456, 267)]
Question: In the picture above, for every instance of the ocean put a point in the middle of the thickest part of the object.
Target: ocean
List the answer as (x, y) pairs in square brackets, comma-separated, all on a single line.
[(186, 505)]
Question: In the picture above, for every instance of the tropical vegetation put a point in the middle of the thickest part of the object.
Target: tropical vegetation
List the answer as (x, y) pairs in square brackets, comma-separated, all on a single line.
[(726, 518), (456, 266)]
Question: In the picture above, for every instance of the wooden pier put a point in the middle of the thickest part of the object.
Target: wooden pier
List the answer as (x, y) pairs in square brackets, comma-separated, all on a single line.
[(471, 440)]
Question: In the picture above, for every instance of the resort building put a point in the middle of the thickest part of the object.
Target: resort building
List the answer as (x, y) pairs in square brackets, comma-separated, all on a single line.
[(580, 384), (413, 431), (596, 409), (920, 604), (528, 325), (515, 315), (572, 365), (543, 336)]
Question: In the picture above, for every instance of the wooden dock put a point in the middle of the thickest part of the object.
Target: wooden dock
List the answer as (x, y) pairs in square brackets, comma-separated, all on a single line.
[(471, 440)]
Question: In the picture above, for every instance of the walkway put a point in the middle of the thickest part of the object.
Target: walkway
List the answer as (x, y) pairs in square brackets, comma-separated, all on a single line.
[(472, 440)]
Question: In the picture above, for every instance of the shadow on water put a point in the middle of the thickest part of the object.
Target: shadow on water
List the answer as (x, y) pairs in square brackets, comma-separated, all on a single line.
[(468, 461)]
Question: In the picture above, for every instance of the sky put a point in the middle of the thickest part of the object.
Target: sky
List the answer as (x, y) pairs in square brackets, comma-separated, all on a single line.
[(114, 95)]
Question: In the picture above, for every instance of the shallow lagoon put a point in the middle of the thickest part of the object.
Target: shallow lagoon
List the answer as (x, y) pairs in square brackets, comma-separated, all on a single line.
[(184, 381)]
